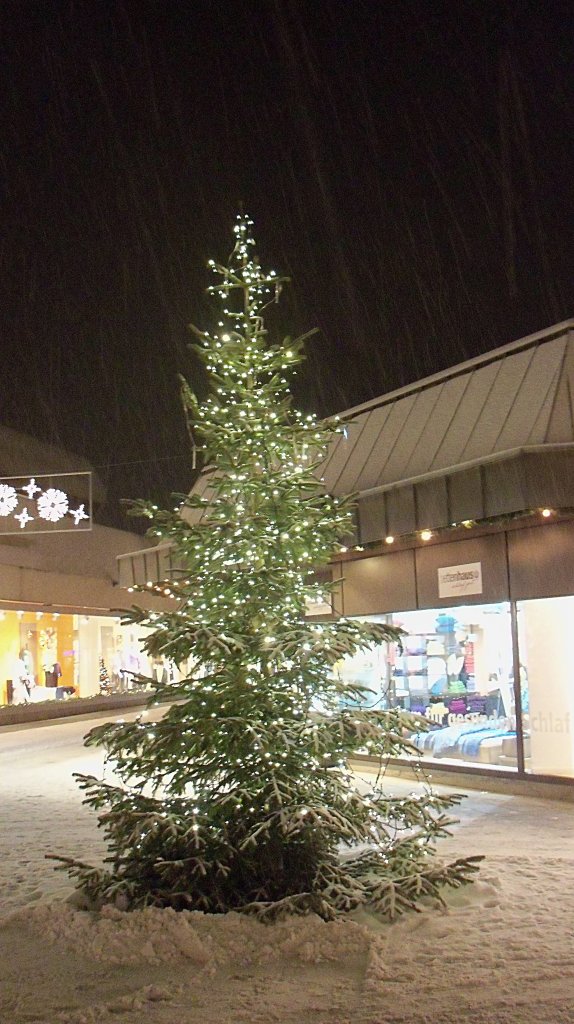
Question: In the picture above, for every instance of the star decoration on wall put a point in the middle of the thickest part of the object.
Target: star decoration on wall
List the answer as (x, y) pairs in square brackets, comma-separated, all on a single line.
[(53, 504), (8, 499), (24, 517), (42, 504), (31, 488), (78, 514)]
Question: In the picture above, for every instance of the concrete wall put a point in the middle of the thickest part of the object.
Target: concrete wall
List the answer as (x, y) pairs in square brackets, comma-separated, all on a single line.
[(67, 571)]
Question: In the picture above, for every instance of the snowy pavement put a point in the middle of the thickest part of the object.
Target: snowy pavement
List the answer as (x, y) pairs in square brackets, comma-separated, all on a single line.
[(502, 954), (41, 806)]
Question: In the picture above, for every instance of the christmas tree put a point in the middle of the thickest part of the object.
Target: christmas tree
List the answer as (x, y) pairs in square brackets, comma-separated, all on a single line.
[(105, 683), (240, 796)]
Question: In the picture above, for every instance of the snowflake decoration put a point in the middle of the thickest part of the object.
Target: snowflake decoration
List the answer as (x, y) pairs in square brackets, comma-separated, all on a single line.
[(24, 518), (53, 505), (8, 499), (31, 488), (78, 513)]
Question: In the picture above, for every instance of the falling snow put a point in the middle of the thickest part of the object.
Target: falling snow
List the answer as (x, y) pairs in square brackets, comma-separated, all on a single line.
[(409, 170)]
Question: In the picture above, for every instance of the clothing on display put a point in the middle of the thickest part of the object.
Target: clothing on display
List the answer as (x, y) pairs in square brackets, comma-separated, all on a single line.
[(22, 681), (444, 673), (48, 655), (52, 675)]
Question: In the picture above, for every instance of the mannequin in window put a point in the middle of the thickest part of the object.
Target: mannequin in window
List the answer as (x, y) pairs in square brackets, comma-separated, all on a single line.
[(159, 671), (117, 671), (28, 661), (20, 683), (29, 680)]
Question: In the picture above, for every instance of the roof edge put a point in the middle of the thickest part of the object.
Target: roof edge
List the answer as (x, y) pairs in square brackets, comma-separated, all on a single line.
[(548, 334), (459, 467)]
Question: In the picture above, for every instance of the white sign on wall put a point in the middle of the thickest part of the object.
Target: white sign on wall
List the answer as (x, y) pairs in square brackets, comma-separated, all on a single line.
[(46, 503), (458, 580)]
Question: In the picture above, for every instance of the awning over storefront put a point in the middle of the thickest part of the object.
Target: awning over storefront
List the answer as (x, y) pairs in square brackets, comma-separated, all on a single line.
[(488, 437), (492, 436), (499, 485), (513, 397), (147, 567)]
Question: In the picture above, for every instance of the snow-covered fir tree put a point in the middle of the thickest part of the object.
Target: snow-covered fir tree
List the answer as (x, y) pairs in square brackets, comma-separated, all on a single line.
[(240, 796)]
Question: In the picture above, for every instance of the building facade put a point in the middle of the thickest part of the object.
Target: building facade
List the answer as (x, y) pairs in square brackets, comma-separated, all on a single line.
[(60, 620), (487, 615), (464, 537)]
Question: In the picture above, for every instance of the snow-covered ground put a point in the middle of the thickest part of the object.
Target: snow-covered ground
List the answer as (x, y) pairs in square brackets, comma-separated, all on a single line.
[(502, 954)]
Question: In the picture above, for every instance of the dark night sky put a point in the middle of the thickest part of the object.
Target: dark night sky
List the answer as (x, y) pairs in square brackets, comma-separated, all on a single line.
[(408, 163)]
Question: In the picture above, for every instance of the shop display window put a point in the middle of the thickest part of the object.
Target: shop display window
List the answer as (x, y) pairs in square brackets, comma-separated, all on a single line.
[(547, 684), (455, 669), (38, 655), (50, 656)]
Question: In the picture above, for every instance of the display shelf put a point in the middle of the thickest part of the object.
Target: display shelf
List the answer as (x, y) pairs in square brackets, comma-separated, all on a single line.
[(420, 664)]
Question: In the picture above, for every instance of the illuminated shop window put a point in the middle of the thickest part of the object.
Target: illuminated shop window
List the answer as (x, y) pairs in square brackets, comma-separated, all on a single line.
[(456, 671), (547, 685)]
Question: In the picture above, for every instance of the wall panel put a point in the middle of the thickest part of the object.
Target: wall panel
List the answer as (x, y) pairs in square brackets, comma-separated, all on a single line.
[(384, 583)]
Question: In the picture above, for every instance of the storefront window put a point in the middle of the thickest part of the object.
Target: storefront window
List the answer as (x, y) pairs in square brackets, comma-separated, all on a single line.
[(51, 656), (547, 684), (38, 656), (456, 670)]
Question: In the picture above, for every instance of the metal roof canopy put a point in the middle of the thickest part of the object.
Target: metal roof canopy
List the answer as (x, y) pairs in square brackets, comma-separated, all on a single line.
[(488, 437), (491, 436)]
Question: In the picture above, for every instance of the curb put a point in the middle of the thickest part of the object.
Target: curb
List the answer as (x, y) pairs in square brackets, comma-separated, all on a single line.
[(28, 714)]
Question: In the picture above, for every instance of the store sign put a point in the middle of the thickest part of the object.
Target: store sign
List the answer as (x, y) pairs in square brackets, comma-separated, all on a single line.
[(54, 503), (459, 580)]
